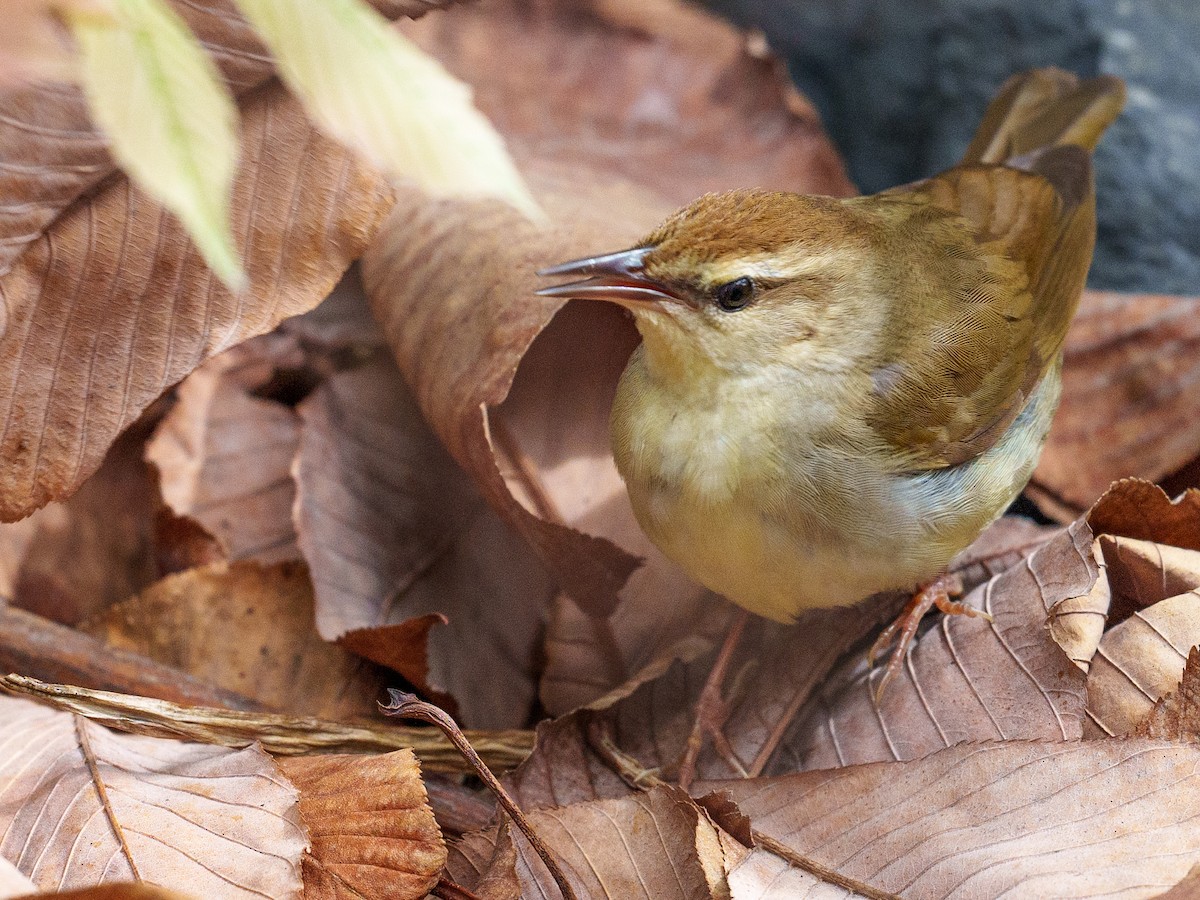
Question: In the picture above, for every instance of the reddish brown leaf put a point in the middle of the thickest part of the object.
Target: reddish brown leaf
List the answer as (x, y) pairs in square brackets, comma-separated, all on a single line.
[(1129, 407), (373, 834), (1138, 509), (188, 620), (1025, 818), (395, 533), (564, 83), (303, 208)]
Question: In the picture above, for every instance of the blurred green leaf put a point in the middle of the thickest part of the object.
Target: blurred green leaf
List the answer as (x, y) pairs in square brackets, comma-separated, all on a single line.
[(169, 118), (374, 90)]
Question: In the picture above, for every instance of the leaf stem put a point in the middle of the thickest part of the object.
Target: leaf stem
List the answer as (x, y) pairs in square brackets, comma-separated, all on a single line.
[(408, 706)]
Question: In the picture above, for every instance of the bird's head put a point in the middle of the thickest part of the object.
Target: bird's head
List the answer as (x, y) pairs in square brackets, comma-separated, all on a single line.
[(737, 279)]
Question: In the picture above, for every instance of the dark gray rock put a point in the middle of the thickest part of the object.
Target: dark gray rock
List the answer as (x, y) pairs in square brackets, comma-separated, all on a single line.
[(903, 83)]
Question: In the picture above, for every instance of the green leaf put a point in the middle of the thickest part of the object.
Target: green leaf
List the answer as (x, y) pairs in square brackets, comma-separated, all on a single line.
[(375, 91), (169, 118)]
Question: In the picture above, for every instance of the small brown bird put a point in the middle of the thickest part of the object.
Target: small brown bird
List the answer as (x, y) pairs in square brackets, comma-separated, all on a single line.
[(833, 397)]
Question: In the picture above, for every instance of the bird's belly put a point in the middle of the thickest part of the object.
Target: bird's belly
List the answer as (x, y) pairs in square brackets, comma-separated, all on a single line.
[(832, 529)]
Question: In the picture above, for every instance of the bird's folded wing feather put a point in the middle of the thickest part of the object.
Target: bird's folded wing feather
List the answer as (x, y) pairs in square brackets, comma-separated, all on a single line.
[(991, 261)]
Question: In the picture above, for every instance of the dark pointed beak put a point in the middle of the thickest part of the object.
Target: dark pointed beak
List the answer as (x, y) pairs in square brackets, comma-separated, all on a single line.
[(615, 277)]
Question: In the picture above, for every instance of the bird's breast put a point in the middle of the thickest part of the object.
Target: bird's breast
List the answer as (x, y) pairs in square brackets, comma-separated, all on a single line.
[(780, 513)]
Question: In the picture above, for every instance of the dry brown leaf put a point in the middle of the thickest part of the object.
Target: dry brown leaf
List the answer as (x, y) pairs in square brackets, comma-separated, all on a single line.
[(1139, 661), (1176, 717), (965, 680), (568, 85), (303, 208), (246, 628), (52, 153), (97, 548), (395, 532), (81, 805), (224, 456), (1138, 509), (1129, 407), (1188, 889), (1141, 573), (1032, 819), (372, 831), (655, 845)]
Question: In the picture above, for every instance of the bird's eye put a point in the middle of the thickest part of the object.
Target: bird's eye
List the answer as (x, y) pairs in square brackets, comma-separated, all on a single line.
[(736, 294)]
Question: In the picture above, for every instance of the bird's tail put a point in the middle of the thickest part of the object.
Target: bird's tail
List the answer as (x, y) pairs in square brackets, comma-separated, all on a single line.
[(1044, 108)]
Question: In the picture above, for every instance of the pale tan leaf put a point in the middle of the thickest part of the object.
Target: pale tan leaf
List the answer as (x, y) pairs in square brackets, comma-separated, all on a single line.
[(394, 531), (50, 152), (653, 845), (303, 208), (1128, 406), (35, 44), (224, 456), (170, 120), (764, 876), (80, 805), (373, 89), (189, 620), (372, 831), (566, 87), (1176, 717), (278, 734), (1187, 889), (12, 882), (121, 891), (1077, 624), (1029, 819), (1141, 573), (1139, 661)]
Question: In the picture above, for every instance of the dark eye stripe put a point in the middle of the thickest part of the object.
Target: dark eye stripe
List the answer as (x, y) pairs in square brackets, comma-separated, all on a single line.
[(735, 295)]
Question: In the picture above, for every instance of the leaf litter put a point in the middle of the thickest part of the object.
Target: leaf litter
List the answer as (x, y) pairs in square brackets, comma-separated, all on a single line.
[(310, 540)]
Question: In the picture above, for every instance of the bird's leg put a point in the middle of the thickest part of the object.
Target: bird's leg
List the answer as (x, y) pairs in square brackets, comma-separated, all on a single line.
[(936, 593), (711, 708)]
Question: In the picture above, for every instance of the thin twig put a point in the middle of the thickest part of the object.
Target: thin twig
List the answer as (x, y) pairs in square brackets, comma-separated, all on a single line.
[(408, 706), (279, 734)]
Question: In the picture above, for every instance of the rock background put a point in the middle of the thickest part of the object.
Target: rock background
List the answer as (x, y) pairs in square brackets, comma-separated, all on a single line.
[(902, 84)]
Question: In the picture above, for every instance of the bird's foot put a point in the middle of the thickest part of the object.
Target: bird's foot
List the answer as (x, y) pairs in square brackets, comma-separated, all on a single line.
[(712, 710), (936, 593)]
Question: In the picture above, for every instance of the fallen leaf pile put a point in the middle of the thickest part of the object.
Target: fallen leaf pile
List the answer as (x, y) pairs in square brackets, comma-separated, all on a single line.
[(234, 521)]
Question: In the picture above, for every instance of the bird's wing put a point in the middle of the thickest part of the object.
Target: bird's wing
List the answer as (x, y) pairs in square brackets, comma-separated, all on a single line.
[(990, 262)]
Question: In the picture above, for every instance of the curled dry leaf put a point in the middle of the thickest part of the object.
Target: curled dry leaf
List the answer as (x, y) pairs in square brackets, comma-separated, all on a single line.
[(653, 845), (1139, 661), (615, 118), (1141, 573), (1028, 818), (373, 834), (1129, 405), (224, 456), (966, 679), (303, 208), (81, 805), (1134, 508), (398, 539), (186, 620), (1176, 717)]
